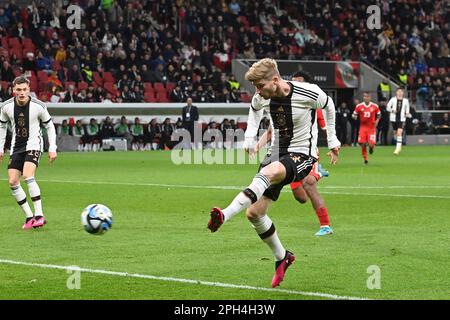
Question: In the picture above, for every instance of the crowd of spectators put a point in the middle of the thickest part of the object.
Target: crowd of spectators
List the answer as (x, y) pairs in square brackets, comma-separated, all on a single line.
[(134, 51)]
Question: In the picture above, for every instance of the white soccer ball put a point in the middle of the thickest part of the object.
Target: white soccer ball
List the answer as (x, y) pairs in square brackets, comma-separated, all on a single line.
[(96, 218)]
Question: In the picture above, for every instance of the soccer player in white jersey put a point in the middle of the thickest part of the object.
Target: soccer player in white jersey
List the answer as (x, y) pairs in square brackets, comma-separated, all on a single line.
[(25, 114), (292, 106), (304, 189), (398, 106)]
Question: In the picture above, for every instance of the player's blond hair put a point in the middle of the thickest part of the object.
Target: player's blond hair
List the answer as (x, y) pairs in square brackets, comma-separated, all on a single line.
[(263, 69)]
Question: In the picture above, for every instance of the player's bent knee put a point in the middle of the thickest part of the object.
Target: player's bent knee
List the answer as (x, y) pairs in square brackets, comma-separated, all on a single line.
[(13, 182), (251, 213), (309, 184), (301, 199), (254, 212)]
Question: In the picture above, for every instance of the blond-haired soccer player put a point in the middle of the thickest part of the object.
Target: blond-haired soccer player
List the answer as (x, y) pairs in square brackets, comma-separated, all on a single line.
[(398, 106), (25, 114), (306, 188), (292, 106)]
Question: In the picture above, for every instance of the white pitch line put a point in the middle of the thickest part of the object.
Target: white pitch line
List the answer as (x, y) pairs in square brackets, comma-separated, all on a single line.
[(387, 195), (190, 281), (385, 187), (187, 186)]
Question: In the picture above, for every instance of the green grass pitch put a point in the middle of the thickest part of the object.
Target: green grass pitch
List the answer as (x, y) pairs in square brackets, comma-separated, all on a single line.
[(393, 214)]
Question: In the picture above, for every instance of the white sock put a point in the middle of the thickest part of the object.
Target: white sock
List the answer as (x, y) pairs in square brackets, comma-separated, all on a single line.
[(21, 199), (80, 147), (35, 194), (399, 143), (265, 228), (250, 195), (155, 146)]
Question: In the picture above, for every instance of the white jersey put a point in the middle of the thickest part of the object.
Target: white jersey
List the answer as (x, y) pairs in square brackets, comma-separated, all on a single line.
[(26, 126), (294, 119), (399, 109)]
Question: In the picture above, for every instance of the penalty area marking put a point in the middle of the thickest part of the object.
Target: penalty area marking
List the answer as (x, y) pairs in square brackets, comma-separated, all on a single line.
[(181, 280)]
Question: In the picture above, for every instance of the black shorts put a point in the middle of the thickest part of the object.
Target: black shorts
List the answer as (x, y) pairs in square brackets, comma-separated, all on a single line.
[(298, 166), (17, 160), (398, 125)]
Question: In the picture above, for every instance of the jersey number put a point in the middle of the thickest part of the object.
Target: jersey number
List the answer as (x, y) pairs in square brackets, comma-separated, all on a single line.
[(366, 114), (22, 132)]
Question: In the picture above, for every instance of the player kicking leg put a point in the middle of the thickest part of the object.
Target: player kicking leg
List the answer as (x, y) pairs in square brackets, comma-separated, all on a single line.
[(257, 197)]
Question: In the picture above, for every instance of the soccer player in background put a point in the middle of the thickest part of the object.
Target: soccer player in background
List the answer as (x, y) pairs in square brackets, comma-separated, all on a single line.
[(293, 108), (25, 114), (398, 107), (369, 114)]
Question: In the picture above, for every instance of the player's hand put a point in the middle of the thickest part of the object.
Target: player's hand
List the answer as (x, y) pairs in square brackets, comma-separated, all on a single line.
[(253, 152), (52, 157), (333, 154)]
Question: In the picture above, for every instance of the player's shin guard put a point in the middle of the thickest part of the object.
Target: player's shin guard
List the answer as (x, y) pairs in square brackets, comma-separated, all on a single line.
[(267, 232), (247, 197), (21, 199), (35, 194), (322, 214), (398, 147)]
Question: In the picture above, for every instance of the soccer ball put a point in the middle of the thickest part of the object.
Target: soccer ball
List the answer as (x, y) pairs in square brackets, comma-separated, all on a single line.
[(96, 218)]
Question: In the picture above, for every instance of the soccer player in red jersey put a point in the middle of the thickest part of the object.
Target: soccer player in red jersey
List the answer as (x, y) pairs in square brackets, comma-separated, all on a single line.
[(369, 114)]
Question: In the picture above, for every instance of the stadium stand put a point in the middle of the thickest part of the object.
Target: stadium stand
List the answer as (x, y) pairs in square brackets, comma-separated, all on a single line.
[(142, 51), (198, 39)]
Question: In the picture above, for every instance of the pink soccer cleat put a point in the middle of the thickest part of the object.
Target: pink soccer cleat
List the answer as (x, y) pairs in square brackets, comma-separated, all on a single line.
[(281, 267), (39, 221), (217, 219), (28, 224)]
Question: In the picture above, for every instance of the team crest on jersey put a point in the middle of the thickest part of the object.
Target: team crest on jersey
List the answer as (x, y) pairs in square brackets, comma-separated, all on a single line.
[(21, 120), (281, 120), (280, 117)]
